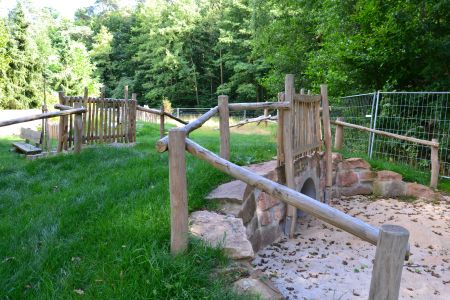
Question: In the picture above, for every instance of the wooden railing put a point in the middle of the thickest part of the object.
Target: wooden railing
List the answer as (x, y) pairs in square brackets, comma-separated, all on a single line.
[(433, 144), (162, 114), (391, 241), (78, 126)]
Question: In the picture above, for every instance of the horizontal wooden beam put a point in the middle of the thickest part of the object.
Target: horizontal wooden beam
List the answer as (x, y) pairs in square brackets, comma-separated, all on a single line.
[(158, 112), (62, 107), (162, 144), (43, 116), (388, 134), (257, 105), (318, 209)]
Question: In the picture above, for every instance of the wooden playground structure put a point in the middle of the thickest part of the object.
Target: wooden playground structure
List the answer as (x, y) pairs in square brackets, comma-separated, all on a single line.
[(303, 129), (85, 120)]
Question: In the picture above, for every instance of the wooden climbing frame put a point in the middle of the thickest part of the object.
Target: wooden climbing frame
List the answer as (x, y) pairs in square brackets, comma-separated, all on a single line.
[(302, 135)]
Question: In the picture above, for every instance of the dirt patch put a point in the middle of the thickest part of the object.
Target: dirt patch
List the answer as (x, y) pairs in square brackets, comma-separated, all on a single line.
[(324, 262)]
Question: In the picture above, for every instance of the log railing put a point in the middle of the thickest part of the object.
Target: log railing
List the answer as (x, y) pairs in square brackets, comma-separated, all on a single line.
[(391, 241), (162, 114), (433, 144), (78, 111)]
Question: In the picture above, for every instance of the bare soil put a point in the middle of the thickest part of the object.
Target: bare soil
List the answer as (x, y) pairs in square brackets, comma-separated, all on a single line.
[(323, 262)]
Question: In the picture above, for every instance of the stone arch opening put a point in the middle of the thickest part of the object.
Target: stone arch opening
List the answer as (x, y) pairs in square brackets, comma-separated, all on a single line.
[(309, 188)]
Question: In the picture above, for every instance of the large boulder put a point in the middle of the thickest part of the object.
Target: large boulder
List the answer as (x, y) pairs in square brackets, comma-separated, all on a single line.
[(421, 191), (227, 232), (231, 192)]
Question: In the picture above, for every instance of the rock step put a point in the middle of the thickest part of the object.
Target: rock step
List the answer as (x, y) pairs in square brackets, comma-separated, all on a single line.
[(227, 232), (230, 192)]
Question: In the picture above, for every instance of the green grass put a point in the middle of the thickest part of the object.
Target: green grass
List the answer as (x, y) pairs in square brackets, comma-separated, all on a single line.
[(409, 173), (97, 223)]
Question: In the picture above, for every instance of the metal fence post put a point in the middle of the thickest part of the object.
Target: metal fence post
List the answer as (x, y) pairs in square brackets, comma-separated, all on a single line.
[(374, 123), (371, 121)]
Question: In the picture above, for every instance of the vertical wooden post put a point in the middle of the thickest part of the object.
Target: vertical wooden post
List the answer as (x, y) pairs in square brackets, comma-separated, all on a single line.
[(62, 135), (389, 257), (178, 191), (45, 131), (280, 138), (289, 92), (85, 104), (327, 140), (161, 122), (266, 113), (339, 135), (125, 115), (132, 118), (434, 165), (78, 130), (224, 126)]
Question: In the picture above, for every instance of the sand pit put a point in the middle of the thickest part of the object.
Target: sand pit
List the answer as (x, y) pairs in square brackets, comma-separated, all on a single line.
[(323, 262)]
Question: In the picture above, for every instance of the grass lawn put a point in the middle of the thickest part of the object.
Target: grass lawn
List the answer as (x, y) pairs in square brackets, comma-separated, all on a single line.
[(96, 225)]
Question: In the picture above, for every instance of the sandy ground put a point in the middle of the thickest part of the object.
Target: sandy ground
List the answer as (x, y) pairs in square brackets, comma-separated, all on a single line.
[(323, 262)]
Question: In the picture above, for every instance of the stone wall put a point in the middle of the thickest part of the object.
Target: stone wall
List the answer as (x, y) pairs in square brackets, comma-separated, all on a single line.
[(263, 216)]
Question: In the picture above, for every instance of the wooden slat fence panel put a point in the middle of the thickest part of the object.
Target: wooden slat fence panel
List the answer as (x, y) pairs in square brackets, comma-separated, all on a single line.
[(106, 120)]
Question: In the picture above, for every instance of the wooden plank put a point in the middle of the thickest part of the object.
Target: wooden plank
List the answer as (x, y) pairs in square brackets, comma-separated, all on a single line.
[(434, 165), (161, 122), (133, 117), (258, 105), (26, 148), (289, 91), (327, 140), (70, 125), (339, 135), (389, 259), (178, 191), (224, 127), (307, 98), (125, 115), (85, 116), (78, 129), (280, 131)]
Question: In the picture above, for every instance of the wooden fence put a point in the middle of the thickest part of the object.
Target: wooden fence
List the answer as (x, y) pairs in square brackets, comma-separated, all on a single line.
[(107, 120)]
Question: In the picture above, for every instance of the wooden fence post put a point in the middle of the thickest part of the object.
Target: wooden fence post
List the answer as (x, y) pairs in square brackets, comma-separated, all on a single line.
[(125, 114), (280, 138), (78, 130), (434, 165), (339, 135), (178, 191), (161, 122), (224, 126), (132, 118), (62, 136), (266, 113), (291, 211), (327, 140), (389, 258)]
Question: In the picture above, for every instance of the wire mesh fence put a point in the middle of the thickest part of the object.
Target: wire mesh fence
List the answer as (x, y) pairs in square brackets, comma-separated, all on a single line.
[(189, 114), (423, 115)]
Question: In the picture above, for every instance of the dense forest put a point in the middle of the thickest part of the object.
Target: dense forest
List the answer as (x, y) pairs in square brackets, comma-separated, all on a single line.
[(190, 51)]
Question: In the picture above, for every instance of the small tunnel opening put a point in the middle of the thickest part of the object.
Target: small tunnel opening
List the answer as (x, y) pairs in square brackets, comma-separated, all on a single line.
[(309, 189)]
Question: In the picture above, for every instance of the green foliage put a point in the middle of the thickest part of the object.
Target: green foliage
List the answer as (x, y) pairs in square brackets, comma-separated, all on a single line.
[(191, 51)]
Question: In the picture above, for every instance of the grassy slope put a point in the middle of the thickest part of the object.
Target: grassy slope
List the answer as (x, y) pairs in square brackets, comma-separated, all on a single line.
[(98, 222)]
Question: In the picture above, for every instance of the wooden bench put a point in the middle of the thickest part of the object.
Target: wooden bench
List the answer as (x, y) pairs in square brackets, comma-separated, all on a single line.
[(31, 144)]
